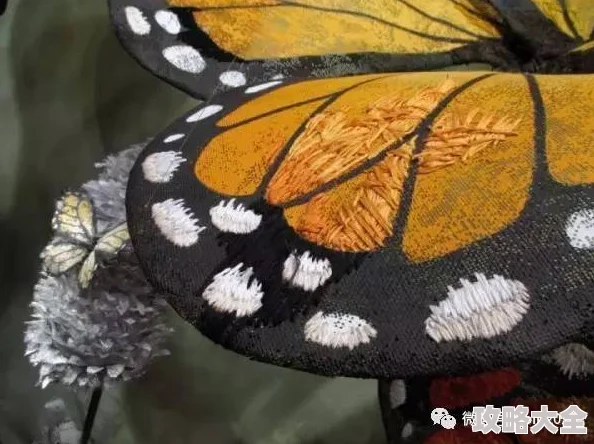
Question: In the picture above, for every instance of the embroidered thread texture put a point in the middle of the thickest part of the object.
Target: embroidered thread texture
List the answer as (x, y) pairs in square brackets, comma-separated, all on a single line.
[(481, 309), (176, 222), (235, 291), (173, 138), (160, 167), (185, 58), (233, 78), (168, 21), (580, 229), (137, 21), (575, 360), (262, 87), (234, 218), (204, 113), (332, 144), (306, 272), (339, 330)]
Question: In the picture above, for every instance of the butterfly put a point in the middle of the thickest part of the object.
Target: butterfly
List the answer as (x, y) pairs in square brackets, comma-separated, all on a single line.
[(209, 46), (417, 219), (76, 242)]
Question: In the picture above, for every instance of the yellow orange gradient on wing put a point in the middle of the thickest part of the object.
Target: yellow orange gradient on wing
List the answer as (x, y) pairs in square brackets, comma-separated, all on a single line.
[(580, 14), (268, 29), (356, 127), (287, 95), (569, 107), (456, 206), (235, 162)]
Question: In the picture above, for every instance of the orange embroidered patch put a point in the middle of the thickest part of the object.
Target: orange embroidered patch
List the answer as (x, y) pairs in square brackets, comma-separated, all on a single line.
[(363, 223), (334, 143), (331, 145)]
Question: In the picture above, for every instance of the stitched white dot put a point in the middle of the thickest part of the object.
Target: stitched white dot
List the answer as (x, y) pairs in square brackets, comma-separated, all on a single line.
[(176, 222), (397, 393), (278, 77), (168, 21), (338, 330), (235, 291), (574, 360), (305, 271), (137, 21), (160, 167), (233, 78), (580, 229), (234, 218), (173, 138), (185, 58), (481, 309), (204, 113), (261, 87)]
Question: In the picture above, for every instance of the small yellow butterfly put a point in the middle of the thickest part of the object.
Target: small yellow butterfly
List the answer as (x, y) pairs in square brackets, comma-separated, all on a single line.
[(76, 239)]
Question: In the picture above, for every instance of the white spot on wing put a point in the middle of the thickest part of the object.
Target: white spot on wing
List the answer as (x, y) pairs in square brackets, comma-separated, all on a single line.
[(160, 167), (173, 138), (234, 218), (233, 78), (574, 360), (580, 229), (168, 21), (397, 393), (176, 222), (235, 291), (204, 113), (137, 21), (262, 87), (185, 57), (481, 309), (339, 330), (305, 271)]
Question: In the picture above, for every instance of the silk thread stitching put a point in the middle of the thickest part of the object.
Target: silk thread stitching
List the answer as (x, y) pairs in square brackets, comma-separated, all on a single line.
[(330, 145), (481, 309)]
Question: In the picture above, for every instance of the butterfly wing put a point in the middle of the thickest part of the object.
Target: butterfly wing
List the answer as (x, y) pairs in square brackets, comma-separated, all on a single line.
[(205, 46), (73, 219), (575, 18), (113, 241), (107, 246), (59, 257), (87, 270), (441, 192)]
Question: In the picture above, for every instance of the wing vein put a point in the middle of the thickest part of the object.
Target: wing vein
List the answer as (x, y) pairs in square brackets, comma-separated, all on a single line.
[(568, 21), (440, 20), (285, 151), (420, 131), (287, 3)]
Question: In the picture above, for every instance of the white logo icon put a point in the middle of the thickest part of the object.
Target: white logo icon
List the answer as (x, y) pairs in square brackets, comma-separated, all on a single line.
[(442, 417), (448, 422)]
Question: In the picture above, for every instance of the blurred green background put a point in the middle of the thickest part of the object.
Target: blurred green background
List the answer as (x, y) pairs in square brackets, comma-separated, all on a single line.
[(69, 94)]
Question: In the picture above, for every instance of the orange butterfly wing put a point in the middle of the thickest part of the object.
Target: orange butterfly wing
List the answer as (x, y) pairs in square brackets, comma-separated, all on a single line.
[(569, 139), (349, 158), (574, 17), (271, 29)]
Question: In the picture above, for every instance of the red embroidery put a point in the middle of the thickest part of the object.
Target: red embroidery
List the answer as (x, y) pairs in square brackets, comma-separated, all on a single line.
[(470, 390)]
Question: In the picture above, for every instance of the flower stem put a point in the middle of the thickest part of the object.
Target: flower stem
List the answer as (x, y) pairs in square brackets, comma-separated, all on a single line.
[(91, 414)]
